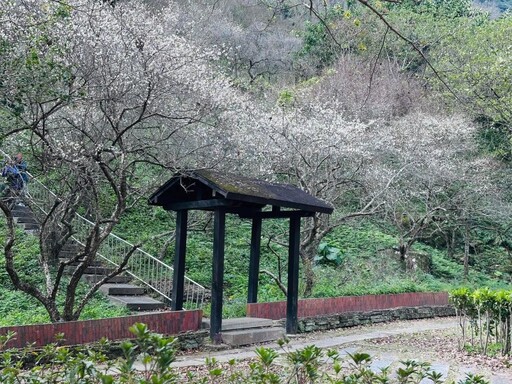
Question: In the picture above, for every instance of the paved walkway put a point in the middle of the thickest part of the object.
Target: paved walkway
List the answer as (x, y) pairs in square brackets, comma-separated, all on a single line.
[(344, 340)]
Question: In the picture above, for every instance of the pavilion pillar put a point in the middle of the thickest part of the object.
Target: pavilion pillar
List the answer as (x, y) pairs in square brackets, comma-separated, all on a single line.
[(293, 276), (219, 231), (254, 262), (179, 260)]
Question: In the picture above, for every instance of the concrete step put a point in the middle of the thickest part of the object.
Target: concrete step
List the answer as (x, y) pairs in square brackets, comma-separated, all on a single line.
[(97, 270), (120, 279), (71, 246), (91, 270), (25, 219), (95, 263), (70, 249), (252, 336), (137, 303), (122, 289), (30, 226), (20, 210), (67, 255), (241, 323)]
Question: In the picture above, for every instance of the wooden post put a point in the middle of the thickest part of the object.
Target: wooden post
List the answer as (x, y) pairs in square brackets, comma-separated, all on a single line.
[(293, 276), (254, 262), (179, 260), (217, 275)]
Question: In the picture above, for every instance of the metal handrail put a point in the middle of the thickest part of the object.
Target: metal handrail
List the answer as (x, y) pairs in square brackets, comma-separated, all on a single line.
[(142, 266)]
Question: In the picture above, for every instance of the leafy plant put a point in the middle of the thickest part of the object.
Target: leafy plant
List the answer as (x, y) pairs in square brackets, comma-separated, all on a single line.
[(485, 313), (154, 354), (328, 254)]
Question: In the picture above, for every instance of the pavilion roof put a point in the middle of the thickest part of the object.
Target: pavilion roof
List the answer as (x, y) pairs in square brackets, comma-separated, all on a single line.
[(207, 189)]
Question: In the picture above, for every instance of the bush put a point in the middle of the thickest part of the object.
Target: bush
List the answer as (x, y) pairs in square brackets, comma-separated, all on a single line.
[(487, 314), (148, 358)]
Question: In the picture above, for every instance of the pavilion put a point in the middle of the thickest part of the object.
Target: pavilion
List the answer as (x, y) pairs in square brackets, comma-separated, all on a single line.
[(248, 198)]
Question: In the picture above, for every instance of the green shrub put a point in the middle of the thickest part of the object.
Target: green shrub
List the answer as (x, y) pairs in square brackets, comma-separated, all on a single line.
[(148, 358), (487, 314)]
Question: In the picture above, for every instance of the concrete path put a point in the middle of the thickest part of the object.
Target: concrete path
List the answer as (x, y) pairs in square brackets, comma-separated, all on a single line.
[(344, 340)]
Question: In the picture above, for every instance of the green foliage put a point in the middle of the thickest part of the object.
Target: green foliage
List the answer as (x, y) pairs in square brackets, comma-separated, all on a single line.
[(439, 8), (327, 254), (494, 139), (286, 98), (17, 308), (154, 353), (323, 41), (475, 60), (487, 314)]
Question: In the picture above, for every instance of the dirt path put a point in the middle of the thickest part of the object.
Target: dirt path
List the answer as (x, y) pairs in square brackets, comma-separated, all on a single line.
[(430, 340)]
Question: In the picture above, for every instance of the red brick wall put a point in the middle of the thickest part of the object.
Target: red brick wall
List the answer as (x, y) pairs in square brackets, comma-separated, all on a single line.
[(87, 331), (331, 306)]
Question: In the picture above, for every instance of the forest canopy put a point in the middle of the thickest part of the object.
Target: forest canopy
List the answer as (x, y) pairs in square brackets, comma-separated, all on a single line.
[(397, 111)]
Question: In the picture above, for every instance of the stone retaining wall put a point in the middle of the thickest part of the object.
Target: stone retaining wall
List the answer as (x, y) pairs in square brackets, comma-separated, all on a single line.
[(90, 331), (352, 319), (335, 305)]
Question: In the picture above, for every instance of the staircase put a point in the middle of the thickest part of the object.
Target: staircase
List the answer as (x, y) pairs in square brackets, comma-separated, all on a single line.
[(119, 289), (150, 274), (24, 217)]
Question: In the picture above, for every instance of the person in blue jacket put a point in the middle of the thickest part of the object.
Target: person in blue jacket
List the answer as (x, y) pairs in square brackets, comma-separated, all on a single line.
[(15, 172)]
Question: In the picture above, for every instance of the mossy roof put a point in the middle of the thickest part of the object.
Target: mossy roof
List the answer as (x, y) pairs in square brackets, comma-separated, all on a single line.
[(200, 185)]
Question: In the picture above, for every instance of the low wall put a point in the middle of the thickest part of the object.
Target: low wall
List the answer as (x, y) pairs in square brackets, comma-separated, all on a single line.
[(353, 319), (90, 331), (336, 305)]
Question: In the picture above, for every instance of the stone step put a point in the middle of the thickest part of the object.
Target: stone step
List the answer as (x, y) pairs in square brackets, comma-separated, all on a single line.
[(19, 210), (92, 270), (67, 254), (72, 246), (70, 250), (95, 263), (122, 289), (93, 279), (137, 303), (241, 323), (97, 270), (30, 226), (25, 219), (252, 336)]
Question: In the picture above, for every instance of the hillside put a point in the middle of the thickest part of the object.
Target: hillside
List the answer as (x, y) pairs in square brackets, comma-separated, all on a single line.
[(398, 114)]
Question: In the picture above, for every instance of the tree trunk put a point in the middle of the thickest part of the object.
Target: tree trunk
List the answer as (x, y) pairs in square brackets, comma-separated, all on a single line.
[(309, 276), (407, 261), (451, 238), (466, 252), (307, 254)]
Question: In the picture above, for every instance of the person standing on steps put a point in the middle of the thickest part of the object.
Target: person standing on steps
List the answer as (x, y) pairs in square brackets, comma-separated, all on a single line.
[(15, 172), (21, 166)]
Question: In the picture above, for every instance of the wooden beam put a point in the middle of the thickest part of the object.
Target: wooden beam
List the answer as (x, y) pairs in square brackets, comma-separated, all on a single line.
[(297, 203), (219, 232), (254, 262), (179, 261), (198, 204), (275, 215), (293, 276)]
